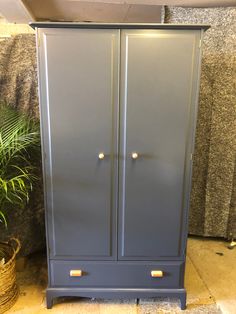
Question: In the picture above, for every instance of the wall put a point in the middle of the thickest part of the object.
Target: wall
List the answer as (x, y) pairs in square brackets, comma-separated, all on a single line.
[(8, 29)]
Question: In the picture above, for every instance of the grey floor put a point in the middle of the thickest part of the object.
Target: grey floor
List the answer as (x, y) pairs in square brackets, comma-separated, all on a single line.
[(210, 282)]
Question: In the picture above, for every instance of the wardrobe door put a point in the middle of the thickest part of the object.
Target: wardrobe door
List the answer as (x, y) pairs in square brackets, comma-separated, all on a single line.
[(158, 96), (79, 103)]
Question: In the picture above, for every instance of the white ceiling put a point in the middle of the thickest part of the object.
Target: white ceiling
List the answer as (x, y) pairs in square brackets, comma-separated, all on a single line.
[(23, 11)]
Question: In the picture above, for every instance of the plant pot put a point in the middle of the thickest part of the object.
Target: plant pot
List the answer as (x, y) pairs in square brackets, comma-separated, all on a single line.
[(8, 287)]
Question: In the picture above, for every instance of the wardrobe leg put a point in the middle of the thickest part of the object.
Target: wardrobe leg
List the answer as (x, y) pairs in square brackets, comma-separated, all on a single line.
[(49, 301), (183, 301)]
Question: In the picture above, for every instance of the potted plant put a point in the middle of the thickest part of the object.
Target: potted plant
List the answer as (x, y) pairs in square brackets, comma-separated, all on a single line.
[(19, 138)]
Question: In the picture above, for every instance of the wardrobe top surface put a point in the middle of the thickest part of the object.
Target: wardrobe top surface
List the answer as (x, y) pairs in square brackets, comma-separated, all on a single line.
[(118, 25)]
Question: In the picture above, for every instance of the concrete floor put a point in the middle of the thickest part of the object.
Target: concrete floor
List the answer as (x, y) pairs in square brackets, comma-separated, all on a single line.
[(210, 282)]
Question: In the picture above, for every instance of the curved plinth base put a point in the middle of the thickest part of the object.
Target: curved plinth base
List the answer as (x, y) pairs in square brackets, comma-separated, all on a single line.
[(115, 293)]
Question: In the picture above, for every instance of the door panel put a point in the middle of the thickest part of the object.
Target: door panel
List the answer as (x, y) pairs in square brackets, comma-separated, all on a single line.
[(79, 97), (156, 94)]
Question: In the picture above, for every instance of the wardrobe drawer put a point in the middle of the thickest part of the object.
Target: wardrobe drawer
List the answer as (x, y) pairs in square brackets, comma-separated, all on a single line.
[(117, 274)]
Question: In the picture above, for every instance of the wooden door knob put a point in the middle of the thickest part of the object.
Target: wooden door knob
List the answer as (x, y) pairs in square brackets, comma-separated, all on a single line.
[(101, 155), (76, 273), (134, 155), (157, 273)]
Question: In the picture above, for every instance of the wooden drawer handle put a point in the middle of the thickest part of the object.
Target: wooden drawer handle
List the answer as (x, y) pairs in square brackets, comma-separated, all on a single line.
[(157, 273), (76, 273)]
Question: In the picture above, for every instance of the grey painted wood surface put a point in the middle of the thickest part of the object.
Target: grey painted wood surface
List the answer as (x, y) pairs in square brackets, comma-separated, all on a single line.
[(122, 274), (86, 25), (157, 71), (81, 124), (145, 103)]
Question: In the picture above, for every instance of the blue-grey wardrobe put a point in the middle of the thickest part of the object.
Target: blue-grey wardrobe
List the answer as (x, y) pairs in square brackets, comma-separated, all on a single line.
[(118, 109)]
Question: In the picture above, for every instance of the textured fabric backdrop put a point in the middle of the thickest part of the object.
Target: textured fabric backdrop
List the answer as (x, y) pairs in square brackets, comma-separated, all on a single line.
[(213, 199), (18, 76), (18, 87)]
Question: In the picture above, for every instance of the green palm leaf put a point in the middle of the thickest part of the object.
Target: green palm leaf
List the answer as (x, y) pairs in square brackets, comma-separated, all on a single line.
[(19, 141)]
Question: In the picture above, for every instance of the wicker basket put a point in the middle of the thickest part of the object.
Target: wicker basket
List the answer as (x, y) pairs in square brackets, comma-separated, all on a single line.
[(8, 287)]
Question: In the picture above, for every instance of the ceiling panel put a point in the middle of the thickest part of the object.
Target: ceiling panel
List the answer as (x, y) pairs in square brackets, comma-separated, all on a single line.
[(15, 11), (93, 11), (23, 11), (190, 3)]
